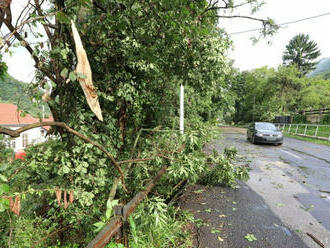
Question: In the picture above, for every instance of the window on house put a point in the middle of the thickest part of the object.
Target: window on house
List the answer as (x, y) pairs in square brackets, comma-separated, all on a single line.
[(13, 144), (25, 139), (42, 132)]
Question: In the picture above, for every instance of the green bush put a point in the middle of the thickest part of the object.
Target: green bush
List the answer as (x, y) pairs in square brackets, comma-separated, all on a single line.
[(325, 120), (157, 225), (299, 118)]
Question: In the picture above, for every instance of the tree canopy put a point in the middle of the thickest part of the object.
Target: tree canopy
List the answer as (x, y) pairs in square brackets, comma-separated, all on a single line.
[(302, 52)]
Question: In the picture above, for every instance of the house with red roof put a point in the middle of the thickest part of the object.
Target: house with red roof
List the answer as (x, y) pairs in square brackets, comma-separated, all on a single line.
[(10, 117)]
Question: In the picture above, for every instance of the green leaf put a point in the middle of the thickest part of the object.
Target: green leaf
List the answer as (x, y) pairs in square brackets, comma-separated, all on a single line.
[(250, 237), (64, 73), (62, 17), (65, 169), (72, 76), (209, 210), (3, 178), (4, 188), (110, 205), (215, 231), (99, 226), (115, 245)]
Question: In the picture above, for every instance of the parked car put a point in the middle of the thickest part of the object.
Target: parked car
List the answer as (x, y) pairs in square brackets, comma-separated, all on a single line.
[(264, 132)]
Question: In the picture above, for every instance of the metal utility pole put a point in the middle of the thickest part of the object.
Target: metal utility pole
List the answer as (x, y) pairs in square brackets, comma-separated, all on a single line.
[(181, 109)]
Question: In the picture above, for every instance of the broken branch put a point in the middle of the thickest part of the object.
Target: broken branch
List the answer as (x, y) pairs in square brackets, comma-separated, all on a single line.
[(316, 240), (17, 133)]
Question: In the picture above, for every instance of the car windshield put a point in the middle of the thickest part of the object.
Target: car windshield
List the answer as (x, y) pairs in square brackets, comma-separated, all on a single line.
[(265, 126)]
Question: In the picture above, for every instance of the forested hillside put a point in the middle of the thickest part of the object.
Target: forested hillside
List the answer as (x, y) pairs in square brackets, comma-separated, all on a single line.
[(322, 69), (17, 92)]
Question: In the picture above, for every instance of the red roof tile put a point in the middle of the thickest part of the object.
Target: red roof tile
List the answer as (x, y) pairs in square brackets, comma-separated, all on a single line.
[(9, 115)]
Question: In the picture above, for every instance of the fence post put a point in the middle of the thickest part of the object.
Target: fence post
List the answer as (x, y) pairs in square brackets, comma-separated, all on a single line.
[(305, 130), (296, 129), (317, 128), (289, 128)]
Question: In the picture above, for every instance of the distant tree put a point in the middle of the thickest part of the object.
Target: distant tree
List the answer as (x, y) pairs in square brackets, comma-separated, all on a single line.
[(301, 51)]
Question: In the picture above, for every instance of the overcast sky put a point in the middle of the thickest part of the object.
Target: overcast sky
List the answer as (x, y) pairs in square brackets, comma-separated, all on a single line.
[(246, 55)]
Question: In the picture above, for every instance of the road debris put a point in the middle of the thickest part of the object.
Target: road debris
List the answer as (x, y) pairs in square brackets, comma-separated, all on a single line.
[(316, 240)]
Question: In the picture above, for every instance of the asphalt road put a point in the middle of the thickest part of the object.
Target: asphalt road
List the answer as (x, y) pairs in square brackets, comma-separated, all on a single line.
[(279, 205)]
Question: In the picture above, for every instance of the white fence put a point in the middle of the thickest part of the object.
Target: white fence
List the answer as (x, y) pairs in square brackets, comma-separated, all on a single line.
[(308, 130)]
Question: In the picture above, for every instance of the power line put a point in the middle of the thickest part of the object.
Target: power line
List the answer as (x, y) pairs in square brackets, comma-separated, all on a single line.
[(282, 24)]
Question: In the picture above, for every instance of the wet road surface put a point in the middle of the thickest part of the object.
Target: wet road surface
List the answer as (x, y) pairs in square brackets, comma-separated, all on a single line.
[(280, 203)]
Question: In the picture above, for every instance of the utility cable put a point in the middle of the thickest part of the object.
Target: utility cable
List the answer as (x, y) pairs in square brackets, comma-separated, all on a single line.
[(282, 24)]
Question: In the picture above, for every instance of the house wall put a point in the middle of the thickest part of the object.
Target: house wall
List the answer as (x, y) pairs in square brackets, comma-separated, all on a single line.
[(29, 137)]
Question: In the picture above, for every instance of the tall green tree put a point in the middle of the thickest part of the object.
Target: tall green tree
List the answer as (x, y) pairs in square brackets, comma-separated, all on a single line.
[(264, 93), (302, 52)]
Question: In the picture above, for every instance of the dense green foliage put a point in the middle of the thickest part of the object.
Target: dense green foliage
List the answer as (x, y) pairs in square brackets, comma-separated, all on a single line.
[(140, 52), (322, 69), (302, 52), (264, 93)]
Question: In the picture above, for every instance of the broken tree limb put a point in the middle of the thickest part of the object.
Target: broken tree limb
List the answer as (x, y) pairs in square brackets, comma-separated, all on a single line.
[(316, 240), (83, 68), (105, 235), (17, 133), (324, 191)]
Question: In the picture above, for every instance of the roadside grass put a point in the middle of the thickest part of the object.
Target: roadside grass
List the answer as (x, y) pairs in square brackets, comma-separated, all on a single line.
[(313, 140)]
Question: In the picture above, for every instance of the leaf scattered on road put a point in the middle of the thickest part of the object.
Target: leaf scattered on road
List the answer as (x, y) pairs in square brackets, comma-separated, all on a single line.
[(215, 231), (209, 210), (309, 208), (250, 237)]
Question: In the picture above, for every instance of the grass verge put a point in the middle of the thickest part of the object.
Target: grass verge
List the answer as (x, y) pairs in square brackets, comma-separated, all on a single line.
[(313, 140)]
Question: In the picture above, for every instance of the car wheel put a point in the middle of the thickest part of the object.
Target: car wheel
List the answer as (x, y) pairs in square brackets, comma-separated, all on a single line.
[(279, 144)]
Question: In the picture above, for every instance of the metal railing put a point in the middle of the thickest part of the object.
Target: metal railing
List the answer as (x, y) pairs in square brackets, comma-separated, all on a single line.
[(308, 130)]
